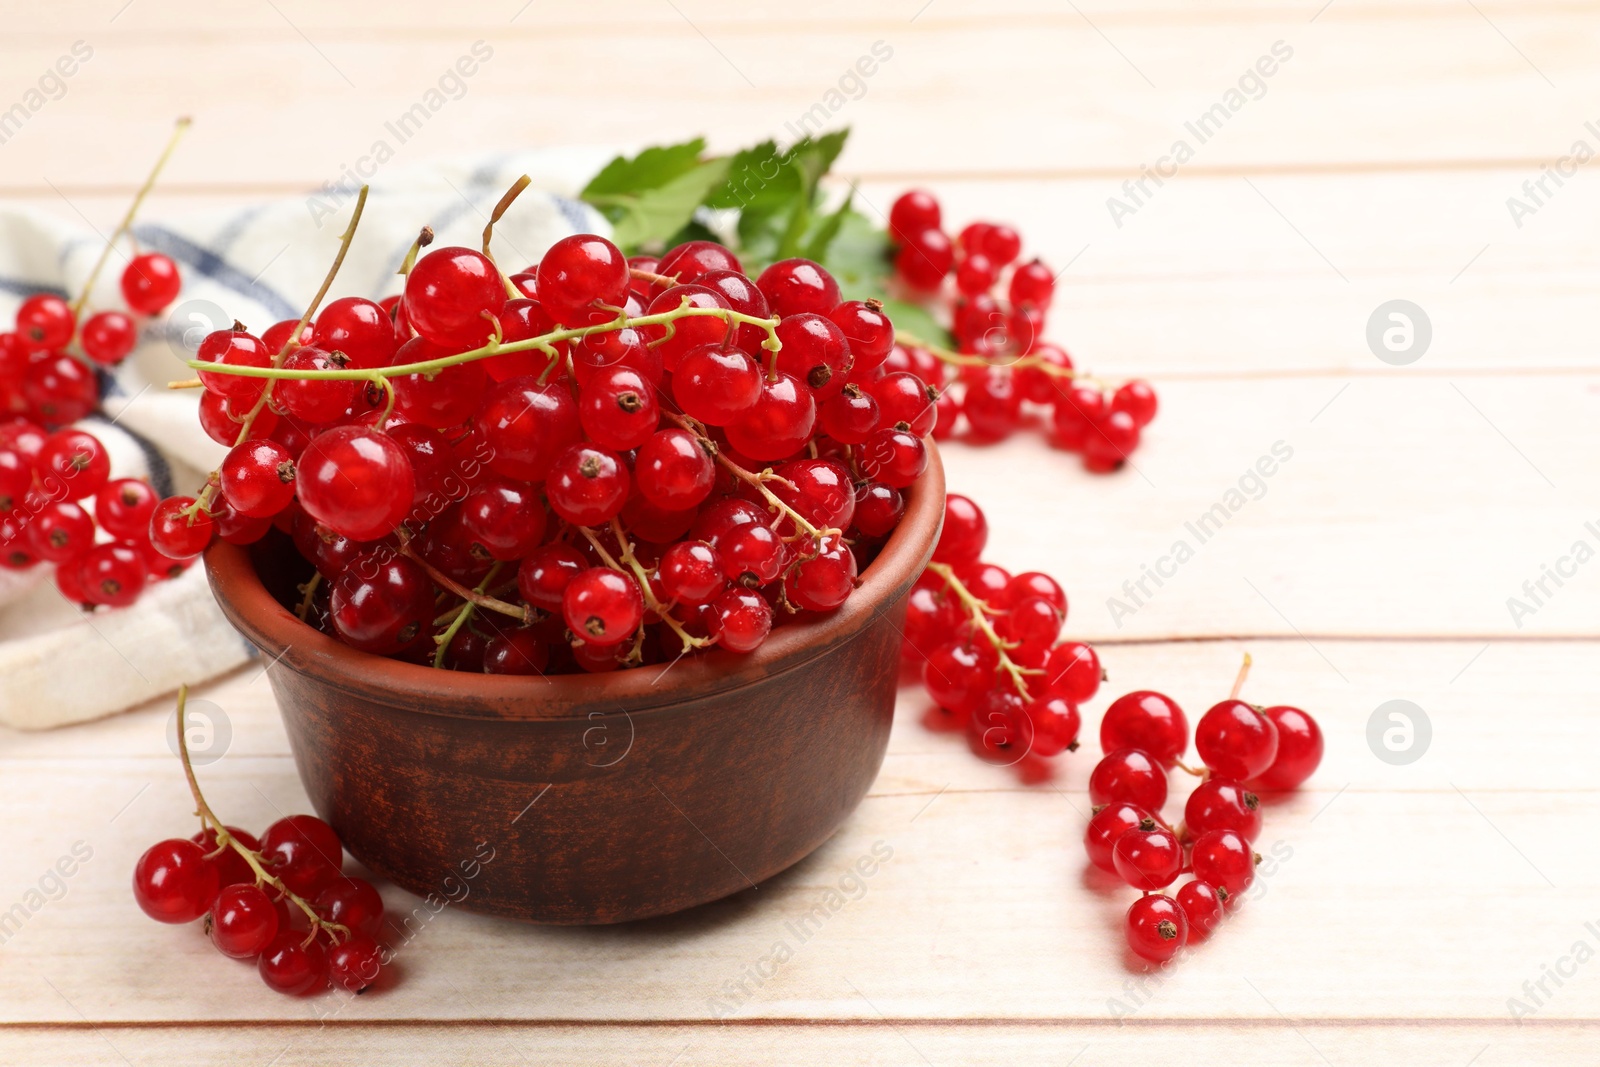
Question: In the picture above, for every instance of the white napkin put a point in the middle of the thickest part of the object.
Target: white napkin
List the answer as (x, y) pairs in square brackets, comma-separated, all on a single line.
[(258, 265)]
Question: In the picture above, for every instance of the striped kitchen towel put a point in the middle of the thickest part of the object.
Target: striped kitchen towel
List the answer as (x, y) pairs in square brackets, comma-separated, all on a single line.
[(257, 265)]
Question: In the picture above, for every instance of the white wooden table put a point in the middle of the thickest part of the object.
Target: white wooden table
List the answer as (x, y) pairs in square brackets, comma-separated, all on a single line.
[(1409, 902)]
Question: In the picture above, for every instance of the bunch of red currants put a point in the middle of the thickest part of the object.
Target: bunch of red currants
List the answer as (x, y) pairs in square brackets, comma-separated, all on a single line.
[(984, 642), (58, 503), (1003, 364), (1246, 750), (281, 901), (589, 464)]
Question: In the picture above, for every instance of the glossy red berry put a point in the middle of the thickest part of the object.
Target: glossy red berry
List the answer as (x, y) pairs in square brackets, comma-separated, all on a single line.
[(45, 320), (108, 337), (112, 575), (351, 902), (356, 481), (797, 287), (740, 620), (258, 478), (231, 867), (176, 534), (243, 921), (824, 580), (850, 416), (1157, 928), (868, 331), (290, 966), (716, 384), (999, 730), (674, 470), (924, 259), (618, 409), (1148, 856), (1236, 740), (1202, 906), (60, 389), (1138, 399), (993, 404), (354, 964), (903, 398), (1108, 823), (1074, 671), (579, 272), (359, 328), (1145, 720), (122, 507), (1299, 748), (778, 424), (1032, 283), (587, 486), (602, 606), (452, 296), (815, 352), (912, 212), (526, 425), (521, 651), (150, 282), (1129, 775), (957, 675), (1055, 725), (60, 530), (381, 602), (1078, 410), (73, 465), (545, 572), (691, 572), (505, 518), (444, 399), (965, 532), (173, 883), (1220, 804), (1109, 442), (879, 509), (690, 261), (234, 348), (1223, 859), (894, 457), (312, 400)]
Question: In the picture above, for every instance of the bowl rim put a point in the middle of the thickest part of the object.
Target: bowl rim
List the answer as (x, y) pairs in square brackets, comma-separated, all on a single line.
[(285, 640)]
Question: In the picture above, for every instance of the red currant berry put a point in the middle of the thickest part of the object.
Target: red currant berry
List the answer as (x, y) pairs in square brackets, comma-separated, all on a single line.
[(965, 532), (354, 964), (993, 404), (1032, 284), (1108, 823), (850, 416), (1202, 905), (691, 572), (173, 883), (814, 351), (526, 425), (356, 481), (505, 518), (446, 398), (999, 730), (73, 465), (716, 384), (904, 398), (60, 389), (602, 607), (452, 296), (108, 337), (779, 423), (46, 321), (359, 328), (1034, 584), (1236, 740), (258, 478), (314, 401), (1219, 804), (894, 457), (1109, 442), (243, 921), (1129, 775), (878, 510), (1073, 671), (352, 902), (16, 478), (122, 507), (1147, 857), (381, 602), (276, 337), (1145, 720), (1157, 928), (521, 320), (752, 554), (61, 530), (912, 212), (618, 409), (823, 581), (740, 620), (545, 572), (176, 534), (674, 470), (1076, 414), (522, 651), (1000, 243), (112, 575), (290, 966), (150, 282), (1055, 725), (1035, 378), (578, 272), (231, 867), (798, 286), (1299, 748), (976, 273), (1138, 400), (868, 331), (1223, 859), (820, 490), (692, 260), (587, 485), (957, 675), (234, 348), (924, 259)]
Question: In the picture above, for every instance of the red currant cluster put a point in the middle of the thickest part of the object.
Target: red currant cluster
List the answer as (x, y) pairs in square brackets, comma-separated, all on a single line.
[(56, 496), (984, 641), (1243, 747), (1002, 362), (281, 901), (628, 459)]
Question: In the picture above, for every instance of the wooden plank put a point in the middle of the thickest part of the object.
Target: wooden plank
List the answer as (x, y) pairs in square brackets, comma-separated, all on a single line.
[(984, 909), (1112, 96)]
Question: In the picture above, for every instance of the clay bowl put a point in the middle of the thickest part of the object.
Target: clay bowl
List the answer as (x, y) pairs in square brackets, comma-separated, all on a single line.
[(589, 798)]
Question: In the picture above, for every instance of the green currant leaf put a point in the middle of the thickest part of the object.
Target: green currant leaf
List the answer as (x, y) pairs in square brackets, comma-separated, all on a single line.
[(916, 320), (654, 215), (650, 169)]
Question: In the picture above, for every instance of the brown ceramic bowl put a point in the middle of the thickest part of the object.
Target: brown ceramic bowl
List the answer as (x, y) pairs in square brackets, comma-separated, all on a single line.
[(591, 798)]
